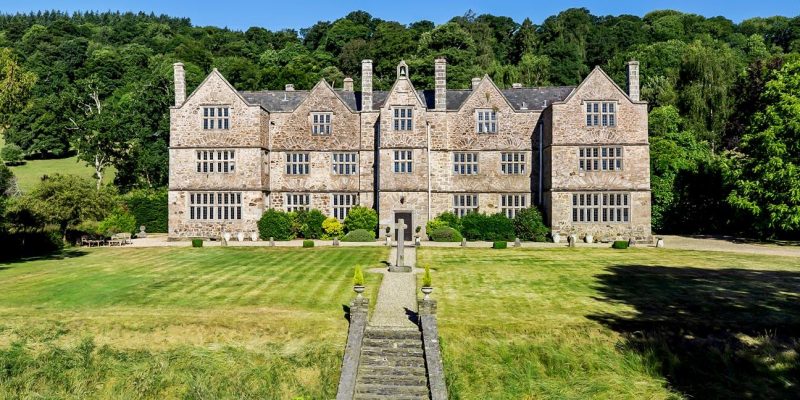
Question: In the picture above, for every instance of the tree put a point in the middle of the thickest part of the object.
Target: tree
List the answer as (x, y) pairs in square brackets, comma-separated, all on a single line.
[(15, 86), (766, 174), (11, 154)]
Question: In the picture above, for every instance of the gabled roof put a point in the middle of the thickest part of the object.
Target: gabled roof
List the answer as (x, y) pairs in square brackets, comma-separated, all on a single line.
[(214, 72), (598, 70)]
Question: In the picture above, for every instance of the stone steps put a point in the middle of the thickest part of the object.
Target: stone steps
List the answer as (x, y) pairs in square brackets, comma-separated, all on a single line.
[(392, 365)]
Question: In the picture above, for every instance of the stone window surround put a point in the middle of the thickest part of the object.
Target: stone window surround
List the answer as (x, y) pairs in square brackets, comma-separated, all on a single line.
[(512, 163), (403, 161), (219, 119), (202, 205), (298, 163), (486, 120), (594, 119), (601, 207), (512, 203), (600, 158), (341, 203), (402, 118), (225, 161), (465, 203), (465, 163), (297, 201), (321, 123), (344, 163)]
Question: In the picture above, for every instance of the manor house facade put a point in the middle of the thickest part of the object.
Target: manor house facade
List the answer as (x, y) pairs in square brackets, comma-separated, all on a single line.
[(580, 153)]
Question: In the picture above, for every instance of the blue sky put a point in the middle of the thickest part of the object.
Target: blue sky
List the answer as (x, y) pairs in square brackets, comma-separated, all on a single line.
[(238, 14)]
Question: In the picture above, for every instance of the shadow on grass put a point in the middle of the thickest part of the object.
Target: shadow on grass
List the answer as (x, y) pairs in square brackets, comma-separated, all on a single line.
[(58, 255), (712, 334)]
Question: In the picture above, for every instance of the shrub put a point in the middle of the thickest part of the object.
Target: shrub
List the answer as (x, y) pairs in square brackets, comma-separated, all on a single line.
[(500, 245), (12, 154), (426, 277), (529, 225), (358, 276), (308, 243), (443, 220), (619, 244), (476, 226), (359, 235), (275, 224), (332, 228), (446, 234), (120, 221), (308, 224), (197, 242), (361, 218), (27, 244), (149, 208), (434, 225)]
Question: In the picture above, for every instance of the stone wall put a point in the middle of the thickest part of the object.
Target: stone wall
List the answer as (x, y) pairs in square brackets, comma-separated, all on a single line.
[(181, 227), (183, 173)]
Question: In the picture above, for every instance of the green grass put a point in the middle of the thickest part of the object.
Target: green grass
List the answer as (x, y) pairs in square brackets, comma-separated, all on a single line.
[(610, 324), (30, 173), (178, 322)]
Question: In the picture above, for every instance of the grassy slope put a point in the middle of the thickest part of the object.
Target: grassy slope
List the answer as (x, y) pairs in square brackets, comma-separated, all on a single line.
[(178, 322), (609, 324)]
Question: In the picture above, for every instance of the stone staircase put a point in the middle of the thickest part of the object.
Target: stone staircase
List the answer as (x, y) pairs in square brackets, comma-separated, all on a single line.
[(392, 365)]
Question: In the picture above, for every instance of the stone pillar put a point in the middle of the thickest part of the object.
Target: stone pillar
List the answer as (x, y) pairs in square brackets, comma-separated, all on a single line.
[(352, 351), (633, 80), (440, 80), (348, 84), (180, 83), (430, 344), (366, 85)]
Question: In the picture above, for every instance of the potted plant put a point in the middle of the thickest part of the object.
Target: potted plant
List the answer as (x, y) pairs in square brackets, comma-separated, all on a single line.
[(358, 281), (426, 283), (388, 231), (418, 230)]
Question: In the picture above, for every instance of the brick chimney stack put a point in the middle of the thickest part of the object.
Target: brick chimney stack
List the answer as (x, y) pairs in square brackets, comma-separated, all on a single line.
[(475, 83), (348, 84), (633, 80), (440, 80), (180, 84), (366, 85)]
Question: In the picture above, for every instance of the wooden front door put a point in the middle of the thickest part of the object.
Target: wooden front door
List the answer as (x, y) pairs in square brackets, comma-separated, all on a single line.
[(406, 217)]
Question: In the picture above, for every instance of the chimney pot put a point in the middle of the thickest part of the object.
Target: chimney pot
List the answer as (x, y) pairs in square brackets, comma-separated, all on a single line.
[(475, 83), (516, 85), (289, 87), (633, 80), (348, 84), (440, 83), (179, 77)]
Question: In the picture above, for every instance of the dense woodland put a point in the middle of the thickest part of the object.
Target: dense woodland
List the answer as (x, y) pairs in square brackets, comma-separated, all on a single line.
[(724, 97)]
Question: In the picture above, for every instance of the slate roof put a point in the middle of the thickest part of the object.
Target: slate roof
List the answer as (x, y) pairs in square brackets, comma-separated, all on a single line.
[(537, 98)]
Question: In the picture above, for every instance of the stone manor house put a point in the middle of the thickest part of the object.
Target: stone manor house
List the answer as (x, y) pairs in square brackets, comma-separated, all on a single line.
[(580, 153)]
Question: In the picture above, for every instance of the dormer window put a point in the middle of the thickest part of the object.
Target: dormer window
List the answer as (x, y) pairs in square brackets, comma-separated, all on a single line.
[(402, 119), (216, 118), (321, 123), (486, 121), (601, 113)]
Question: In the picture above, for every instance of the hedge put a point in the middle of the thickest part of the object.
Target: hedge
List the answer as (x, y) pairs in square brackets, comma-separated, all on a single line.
[(619, 244), (361, 218), (275, 224), (149, 208), (308, 243), (28, 244), (495, 227), (359, 235), (529, 225), (197, 242), (500, 245), (446, 234)]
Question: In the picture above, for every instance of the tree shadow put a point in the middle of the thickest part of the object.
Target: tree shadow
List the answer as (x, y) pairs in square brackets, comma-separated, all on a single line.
[(58, 255), (712, 334), (346, 310)]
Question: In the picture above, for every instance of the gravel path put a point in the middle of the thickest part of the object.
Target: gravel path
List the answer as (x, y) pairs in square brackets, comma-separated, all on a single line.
[(397, 296)]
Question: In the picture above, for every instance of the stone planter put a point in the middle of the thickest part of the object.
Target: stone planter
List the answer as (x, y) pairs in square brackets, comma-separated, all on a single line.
[(358, 289), (226, 236), (426, 290), (589, 239), (254, 236), (240, 236), (556, 238), (388, 241), (660, 242)]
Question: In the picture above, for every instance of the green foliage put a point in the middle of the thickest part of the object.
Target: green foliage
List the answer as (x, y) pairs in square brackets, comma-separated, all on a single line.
[(445, 234), (12, 154), (500, 245), (308, 243), (359, 235), (119, 221), (619, 244), (308, 224), (332, 228), (477, 226), (361, 218), (529, 225), (426, 277), (443, 220), (149, 208), (275, 224), (197, 242), (18, 244), (358, 276)]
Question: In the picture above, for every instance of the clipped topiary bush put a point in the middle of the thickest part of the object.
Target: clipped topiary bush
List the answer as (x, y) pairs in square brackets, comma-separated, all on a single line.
[(197, 242), (619, 244), (359, 235), (529, 225), (358, 276), (446, 234), (308, 243), (426, 277), (149, 208), (361, 218), (332, 228), (275, 224), (500, 245), (476, 226)]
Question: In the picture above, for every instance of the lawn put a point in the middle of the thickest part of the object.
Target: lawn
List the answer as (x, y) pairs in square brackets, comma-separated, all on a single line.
[(178, 322), (617, 324), (31, 172)]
